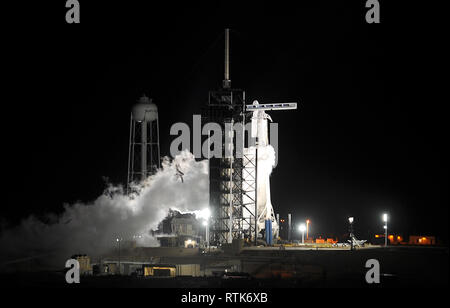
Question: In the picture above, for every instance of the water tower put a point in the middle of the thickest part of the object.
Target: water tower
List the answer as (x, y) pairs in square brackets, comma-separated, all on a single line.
[(143, 154)]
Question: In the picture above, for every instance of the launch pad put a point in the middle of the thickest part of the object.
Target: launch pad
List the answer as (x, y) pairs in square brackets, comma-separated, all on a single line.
[(239, 180)]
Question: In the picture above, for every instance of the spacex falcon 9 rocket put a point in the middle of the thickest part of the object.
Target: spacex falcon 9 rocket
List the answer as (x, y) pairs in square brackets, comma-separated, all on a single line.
[(240, 186), (265, 156)]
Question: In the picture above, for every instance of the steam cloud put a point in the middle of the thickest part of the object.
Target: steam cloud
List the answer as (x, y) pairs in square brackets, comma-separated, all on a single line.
[(94, 227)]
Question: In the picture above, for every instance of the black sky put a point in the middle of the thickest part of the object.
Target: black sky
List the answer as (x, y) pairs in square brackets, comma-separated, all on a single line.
[(368, 137)]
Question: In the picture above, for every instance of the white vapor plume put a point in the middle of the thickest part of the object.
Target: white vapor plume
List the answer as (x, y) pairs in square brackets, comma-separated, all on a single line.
[(93, 228)]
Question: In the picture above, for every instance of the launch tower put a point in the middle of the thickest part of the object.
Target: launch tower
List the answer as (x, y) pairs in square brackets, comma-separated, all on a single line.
[(232, 207)]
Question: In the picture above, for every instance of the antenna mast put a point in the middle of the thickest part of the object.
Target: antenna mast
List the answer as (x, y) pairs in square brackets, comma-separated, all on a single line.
[(227, 81)]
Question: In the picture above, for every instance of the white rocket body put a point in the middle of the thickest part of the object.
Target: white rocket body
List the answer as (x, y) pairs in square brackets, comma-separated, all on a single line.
[(266, 161)]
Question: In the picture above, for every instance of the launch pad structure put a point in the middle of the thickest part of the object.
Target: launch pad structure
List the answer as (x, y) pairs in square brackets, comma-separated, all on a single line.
[(232, 218), (236, 212), (239, 180)]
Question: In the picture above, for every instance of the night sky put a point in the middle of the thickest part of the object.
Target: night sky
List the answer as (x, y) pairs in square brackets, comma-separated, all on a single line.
[(368, 135)]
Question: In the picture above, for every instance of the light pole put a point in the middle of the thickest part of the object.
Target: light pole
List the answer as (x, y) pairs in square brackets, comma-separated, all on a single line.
[(385, 219), (302, 229), (118, 241), (307, 229), (350, 230), (205, 223)]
